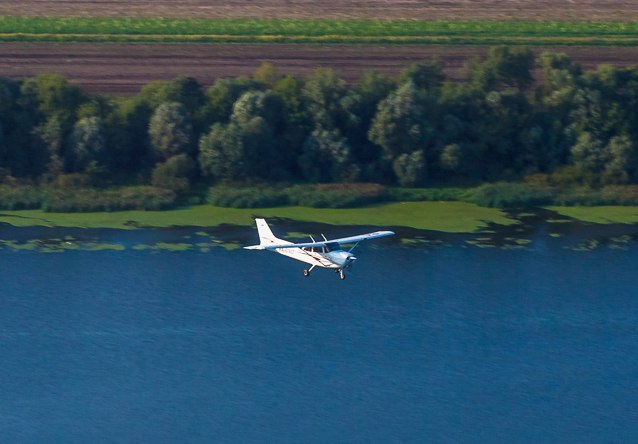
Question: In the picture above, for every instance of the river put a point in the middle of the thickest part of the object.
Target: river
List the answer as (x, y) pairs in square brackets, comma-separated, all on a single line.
[(439, 342)]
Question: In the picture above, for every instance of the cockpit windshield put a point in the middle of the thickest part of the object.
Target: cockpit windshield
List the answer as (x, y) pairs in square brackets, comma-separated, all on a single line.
[(323, 249)]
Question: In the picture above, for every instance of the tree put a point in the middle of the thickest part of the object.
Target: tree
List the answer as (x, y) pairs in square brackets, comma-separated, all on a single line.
[(622, 166), (244, 148), (326, 156), (504, 68), (170, 131), (296, 123), (87, 144), (589, 155), (50, 94), (410, 169), (359, 106), (174, 174), (20, 152), (129, 142), (221, 97), (399, 126), (267, 75), (425, 75), (221, 153), (324, 91)]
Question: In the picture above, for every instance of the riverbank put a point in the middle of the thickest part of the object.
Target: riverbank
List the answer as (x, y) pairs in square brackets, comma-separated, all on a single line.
[(449, 217), (452, 217)]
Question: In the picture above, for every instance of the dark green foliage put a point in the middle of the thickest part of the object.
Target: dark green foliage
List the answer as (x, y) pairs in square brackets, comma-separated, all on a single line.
[(410, 169), (427, 194), (504, 67), (87, 144), (426, 75), (509, 195), (318, 196), (174, 174), (22, 197), (577, 129), (250, 197), (399, 126), (338, 195), (90, 200), (221, 97), (326, 156), (170, 130)]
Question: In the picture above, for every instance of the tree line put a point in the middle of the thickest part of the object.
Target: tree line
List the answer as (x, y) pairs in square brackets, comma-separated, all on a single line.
[(568, 127)]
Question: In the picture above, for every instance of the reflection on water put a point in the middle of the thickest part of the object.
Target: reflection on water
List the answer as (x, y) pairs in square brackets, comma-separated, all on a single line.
[(434, 341)]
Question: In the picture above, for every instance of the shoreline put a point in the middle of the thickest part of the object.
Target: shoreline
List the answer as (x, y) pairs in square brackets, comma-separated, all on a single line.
[(422, 225), (449, 217), (445, 217)]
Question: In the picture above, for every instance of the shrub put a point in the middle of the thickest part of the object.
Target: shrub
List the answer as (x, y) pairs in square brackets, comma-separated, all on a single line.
[(20, 197), (509, 195), (620, 194), (174, 173), (91, 200), (318, 196), (426, 194), (253, 197), (345, 195)]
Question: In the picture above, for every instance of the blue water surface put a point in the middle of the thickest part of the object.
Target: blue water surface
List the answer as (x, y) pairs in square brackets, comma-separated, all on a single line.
[(438, 345)]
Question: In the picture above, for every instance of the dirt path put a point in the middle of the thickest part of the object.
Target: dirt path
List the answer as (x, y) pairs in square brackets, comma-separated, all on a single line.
[(124, 68), (625, 10)]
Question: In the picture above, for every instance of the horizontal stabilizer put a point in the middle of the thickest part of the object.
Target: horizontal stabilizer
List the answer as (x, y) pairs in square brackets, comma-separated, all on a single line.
[(255, 247)]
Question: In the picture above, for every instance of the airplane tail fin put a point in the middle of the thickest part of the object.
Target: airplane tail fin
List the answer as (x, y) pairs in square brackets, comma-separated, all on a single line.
[(265, 236)]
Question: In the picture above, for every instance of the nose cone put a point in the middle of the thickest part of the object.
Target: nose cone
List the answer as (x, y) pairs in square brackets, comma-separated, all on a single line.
[(342, 259), (348, 259)]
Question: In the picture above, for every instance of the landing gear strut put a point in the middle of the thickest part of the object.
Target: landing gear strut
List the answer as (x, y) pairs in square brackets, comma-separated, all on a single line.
[(307, 271), (342, 275)]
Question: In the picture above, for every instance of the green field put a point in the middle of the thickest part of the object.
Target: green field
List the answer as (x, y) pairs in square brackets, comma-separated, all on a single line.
[(453, 217), (483, 32), (600, 215)]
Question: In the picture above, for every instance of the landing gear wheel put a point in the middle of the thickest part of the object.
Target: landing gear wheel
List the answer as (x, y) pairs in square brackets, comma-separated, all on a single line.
[(342, 275), (306, 272)]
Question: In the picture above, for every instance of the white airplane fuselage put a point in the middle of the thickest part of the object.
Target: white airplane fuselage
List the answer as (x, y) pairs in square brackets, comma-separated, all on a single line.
[(328, 259)]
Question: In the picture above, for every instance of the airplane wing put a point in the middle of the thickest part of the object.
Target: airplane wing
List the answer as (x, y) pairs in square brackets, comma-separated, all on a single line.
[(328, 243), (361, 237)]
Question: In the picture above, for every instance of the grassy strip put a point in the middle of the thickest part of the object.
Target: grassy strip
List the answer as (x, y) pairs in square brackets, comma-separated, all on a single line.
[(327, 39), (600, 215), (317, 31), (453, 217)]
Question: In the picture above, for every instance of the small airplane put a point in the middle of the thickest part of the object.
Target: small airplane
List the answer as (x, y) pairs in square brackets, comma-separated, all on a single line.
[(326, 253)]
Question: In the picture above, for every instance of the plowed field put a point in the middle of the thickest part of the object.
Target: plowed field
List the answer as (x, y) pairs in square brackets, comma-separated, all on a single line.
[(419, 9), (124, 68)]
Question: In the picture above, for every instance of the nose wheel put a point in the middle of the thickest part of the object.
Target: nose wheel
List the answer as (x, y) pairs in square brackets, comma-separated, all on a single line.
[(342, 275)]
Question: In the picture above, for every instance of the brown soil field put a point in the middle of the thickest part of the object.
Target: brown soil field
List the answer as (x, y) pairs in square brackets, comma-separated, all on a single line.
[(625, 10), (124, 68)]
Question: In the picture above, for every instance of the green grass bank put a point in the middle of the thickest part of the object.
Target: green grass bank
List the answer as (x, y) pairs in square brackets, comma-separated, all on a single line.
[(611, 214), (478, 32), (452, 217)]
